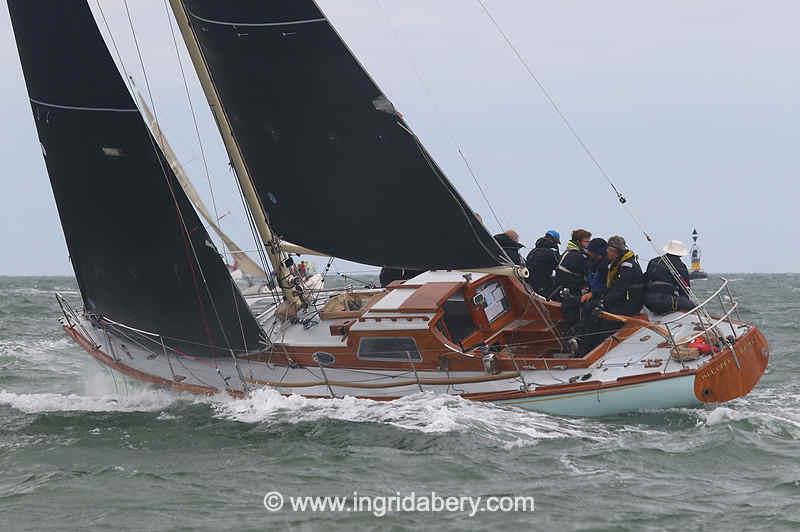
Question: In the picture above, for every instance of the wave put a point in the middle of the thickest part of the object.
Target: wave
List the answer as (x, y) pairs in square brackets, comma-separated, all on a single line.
[(776, 420), (41, 355), (720, 415), (137, 401), (423, 412), (33, 347), (102, 392), (426, 413), (30, 291)]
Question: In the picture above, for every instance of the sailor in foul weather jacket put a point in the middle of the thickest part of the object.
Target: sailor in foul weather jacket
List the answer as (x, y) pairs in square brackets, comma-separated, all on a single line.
[(663, 292), (509, 242), (624, 286), (542, 262), (572, 270)]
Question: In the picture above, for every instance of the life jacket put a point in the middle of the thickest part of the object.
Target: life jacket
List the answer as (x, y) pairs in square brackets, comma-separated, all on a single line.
[(565, 263), (572, 269), (631, 300), (613, 268)]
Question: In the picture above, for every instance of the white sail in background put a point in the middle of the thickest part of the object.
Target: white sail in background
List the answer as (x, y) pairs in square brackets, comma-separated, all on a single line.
[(247, 265)]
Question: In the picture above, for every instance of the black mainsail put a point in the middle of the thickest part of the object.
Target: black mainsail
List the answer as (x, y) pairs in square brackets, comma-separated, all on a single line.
[(139, 251), (335, 166)]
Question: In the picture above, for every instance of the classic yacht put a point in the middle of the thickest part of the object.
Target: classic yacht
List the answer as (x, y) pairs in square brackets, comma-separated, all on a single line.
[(328, 167)]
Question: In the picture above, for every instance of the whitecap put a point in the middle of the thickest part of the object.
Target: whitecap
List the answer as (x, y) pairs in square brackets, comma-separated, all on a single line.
[(60, 356), (720, 415), (33, 291), (33, 347), (144, 400), (423, 412), (778, 418)]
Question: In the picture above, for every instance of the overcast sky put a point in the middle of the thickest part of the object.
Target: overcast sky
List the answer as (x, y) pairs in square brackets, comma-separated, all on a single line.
[(693, 108)]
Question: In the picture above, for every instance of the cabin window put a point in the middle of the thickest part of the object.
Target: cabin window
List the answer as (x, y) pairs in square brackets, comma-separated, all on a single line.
[(389, 348), (493, 299), (457, 317), (324, 359)]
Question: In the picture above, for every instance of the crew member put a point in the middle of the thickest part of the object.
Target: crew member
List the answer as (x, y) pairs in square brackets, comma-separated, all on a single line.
[(598, 266), (667, 281), (542, 262), (570, 280), (573, 267), (624, 281), (624, 294), (509, 241)]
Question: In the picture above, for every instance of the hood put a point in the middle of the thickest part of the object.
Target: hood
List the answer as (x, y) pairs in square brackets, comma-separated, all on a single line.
[(506, 242), (546, 242)]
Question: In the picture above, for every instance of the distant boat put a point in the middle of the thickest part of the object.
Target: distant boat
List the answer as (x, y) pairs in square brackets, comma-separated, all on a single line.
[(696, 271), (323, 160)]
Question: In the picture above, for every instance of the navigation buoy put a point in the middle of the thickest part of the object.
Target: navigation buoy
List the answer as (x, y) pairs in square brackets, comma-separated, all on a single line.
[(696, 270)]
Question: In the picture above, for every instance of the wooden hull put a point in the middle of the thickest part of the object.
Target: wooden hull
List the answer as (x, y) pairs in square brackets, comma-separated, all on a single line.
[(722, 377)]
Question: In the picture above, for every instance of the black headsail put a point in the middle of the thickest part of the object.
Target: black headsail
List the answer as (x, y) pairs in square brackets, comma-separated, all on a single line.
[(140, 253), (335, 166)]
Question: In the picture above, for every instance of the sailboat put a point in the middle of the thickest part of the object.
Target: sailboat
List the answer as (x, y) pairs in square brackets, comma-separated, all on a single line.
[(696, 271), (327, 166)]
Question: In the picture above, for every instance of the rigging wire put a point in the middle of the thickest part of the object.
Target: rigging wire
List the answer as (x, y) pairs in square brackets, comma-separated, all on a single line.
[(126, 77), (194, 115), (620, 197), (262, 255), (480, 188), (202, 153), (172, 192), (438, 111), (552, 102), (188, 239), (260, 249)]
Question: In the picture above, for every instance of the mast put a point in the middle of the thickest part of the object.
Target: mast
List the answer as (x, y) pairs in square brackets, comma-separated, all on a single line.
[(270, 241), (306, 122)]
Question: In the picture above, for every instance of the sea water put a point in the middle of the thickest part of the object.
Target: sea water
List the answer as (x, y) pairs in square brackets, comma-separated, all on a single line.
[(82, 448)]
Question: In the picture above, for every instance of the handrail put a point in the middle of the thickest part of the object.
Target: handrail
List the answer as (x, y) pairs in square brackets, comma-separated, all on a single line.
[(701, 305), (708, 324), (711, 326), (105, 323), (67, 309), (128, 327)]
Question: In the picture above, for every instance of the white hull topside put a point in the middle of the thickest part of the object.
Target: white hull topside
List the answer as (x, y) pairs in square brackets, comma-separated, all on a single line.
[(629, 359), (636, 371)]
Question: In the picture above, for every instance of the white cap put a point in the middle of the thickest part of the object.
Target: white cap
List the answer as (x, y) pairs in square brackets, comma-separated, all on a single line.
[(675, 247)]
